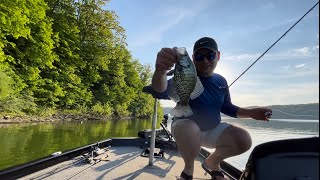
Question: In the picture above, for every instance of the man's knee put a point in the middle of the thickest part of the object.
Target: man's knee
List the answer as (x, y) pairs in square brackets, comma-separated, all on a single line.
[(239, 138), (243, 140), (185, 128)]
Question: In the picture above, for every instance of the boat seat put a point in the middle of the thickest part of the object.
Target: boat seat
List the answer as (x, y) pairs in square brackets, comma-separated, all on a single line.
[(291, 159)]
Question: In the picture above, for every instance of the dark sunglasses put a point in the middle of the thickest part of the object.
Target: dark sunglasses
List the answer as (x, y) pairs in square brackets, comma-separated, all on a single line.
[(200, 57)]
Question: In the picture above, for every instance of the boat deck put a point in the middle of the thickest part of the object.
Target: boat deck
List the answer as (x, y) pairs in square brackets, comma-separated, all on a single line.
[(121, 163)]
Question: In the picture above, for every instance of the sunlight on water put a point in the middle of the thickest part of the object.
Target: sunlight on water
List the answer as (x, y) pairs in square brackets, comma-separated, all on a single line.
[(262, 132), (275, 129)]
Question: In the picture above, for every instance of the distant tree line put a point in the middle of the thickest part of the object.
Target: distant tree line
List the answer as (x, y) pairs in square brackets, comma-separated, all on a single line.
[(68, 56), (308, 111)]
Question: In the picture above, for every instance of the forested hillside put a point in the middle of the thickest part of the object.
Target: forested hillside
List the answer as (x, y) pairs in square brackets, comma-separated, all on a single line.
[(296, 111), (68, 56)]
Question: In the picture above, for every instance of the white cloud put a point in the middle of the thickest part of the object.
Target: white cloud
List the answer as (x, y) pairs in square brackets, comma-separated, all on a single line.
[(167, 18), (286, 68), (300, 65), (275, 95), (240, 57), (155, 35), (269, 26), (282, 23), (282, 74), (267, 6), (304, 52), (301, 51)]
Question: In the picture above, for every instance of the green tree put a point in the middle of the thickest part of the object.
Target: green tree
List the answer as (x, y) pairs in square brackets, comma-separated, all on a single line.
[(68, 55), (100, 33), (67, 71), (25, 44), (142, 104)]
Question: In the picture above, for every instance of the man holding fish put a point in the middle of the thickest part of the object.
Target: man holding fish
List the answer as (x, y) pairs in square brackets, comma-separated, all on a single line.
[(201, 95)]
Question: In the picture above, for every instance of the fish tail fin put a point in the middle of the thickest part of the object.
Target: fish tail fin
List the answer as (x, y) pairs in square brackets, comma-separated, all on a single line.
[(181, 110)]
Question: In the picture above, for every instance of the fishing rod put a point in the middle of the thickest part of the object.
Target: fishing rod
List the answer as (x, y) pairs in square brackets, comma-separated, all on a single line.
[(274, 43), (295, 114)]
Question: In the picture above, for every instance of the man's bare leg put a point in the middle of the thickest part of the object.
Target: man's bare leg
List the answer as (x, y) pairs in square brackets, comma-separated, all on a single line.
[(187, 135), (233, 141)]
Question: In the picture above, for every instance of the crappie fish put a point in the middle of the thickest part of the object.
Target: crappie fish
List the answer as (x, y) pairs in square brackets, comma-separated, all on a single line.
[(184, 85)]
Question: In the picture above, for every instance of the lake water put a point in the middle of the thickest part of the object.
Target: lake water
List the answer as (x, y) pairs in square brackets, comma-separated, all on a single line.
[(275, 129), (20, 143)]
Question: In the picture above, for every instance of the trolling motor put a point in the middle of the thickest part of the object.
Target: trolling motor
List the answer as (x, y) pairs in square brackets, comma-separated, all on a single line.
[(165, 120), (164, 125), (161, 134), (164, 139)]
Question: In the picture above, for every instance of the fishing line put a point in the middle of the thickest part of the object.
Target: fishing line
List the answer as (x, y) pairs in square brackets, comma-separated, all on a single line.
[(274, 43), (293, 114)]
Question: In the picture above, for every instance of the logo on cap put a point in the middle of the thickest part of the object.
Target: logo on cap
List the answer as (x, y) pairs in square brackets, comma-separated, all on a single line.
[(203, 42)]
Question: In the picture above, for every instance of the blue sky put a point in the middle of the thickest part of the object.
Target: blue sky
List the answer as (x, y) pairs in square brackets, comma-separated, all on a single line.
[(287, 74)]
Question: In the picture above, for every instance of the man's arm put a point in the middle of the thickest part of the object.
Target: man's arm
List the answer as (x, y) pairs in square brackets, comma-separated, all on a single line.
[(159, 81), (259, 113), (243, 113), (166, 58)]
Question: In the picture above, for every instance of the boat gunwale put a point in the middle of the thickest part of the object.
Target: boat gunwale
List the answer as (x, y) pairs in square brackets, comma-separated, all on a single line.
[(24, 169), (28, 168)]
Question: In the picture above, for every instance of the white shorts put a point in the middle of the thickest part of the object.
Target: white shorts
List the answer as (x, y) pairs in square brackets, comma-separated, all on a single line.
[(208, 138)]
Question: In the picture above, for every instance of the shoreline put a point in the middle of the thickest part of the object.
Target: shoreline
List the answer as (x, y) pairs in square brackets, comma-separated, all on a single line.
[(55, 118)]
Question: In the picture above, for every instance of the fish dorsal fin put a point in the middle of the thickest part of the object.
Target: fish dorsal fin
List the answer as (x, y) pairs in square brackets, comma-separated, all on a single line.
[(173, 95), (198, 89)]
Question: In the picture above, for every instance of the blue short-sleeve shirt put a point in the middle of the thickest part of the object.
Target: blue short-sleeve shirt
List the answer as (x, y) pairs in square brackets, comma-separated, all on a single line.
[(215, 99)]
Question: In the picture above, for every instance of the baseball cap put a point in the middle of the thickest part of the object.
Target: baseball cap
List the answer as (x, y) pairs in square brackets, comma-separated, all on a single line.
[(205, 42)]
